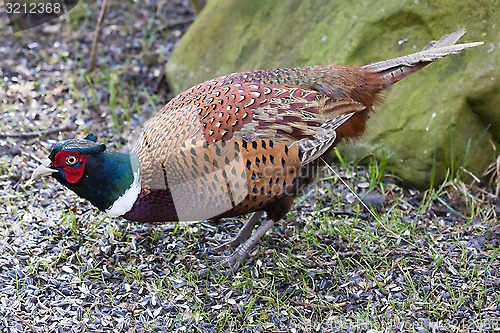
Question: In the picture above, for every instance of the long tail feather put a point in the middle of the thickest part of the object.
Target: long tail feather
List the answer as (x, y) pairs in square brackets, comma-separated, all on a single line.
[(393, 70)]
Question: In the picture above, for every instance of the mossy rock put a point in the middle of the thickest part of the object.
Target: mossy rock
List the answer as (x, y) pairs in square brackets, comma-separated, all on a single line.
[(446, 117)]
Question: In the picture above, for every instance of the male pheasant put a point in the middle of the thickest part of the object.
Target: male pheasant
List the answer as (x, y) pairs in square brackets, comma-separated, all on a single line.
[(241, 143)]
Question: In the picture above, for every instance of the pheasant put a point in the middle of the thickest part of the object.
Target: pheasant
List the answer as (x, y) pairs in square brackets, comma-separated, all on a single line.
[(238, 144)]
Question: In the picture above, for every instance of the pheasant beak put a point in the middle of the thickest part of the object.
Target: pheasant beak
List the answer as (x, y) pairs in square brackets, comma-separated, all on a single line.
[(43, 169)]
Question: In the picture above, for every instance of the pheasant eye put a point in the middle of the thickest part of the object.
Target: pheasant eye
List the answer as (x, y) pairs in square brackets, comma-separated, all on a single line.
[(71, 160)]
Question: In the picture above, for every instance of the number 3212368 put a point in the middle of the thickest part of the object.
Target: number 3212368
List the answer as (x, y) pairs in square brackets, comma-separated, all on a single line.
[(33, 8)]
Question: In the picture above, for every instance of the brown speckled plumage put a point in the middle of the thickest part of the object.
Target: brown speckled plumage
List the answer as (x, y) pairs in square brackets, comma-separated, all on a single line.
[(268, 124)]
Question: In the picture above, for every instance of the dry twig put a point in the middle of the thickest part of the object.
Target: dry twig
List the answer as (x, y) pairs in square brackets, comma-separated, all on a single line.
[(98, 29)]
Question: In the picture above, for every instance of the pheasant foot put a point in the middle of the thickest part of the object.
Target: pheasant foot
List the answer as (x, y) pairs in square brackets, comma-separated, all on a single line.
[(232, 263)]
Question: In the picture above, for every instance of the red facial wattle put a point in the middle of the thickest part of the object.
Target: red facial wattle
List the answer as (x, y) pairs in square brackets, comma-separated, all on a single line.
[(73, 173)]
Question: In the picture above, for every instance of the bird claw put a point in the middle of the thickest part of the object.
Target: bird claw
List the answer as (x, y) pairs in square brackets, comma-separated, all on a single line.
[(230, 264), (233, 261)]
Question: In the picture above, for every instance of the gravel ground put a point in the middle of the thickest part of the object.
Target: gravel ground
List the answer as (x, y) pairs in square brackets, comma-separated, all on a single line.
[(429, 263)]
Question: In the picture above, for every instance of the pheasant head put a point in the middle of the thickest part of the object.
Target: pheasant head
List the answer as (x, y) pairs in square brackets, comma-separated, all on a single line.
[(87, 168)]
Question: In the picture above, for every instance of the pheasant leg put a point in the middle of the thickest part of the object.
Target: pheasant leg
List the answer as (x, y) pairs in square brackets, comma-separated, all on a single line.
[(233, 262), (244, 233)]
